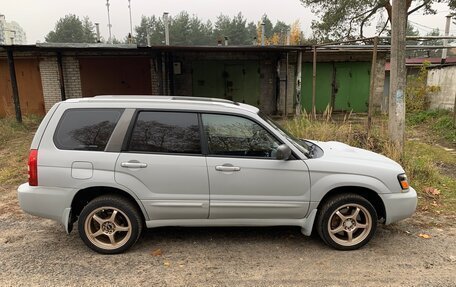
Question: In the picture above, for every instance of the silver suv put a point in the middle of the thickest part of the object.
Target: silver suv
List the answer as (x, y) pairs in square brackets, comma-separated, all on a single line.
[(118, 164)]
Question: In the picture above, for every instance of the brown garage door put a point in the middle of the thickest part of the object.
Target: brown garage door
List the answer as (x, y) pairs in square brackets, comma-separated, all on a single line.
[(29, 86), (115, 76)]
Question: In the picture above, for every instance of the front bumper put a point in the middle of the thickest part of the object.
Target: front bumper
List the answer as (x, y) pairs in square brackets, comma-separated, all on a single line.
[(52, 203), (399, 206)]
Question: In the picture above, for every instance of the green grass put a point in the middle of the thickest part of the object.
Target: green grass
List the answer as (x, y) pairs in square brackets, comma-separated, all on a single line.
[(15, 142), (440, 122)]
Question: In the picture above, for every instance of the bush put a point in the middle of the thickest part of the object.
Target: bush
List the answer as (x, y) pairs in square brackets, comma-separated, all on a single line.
[(417, 91)]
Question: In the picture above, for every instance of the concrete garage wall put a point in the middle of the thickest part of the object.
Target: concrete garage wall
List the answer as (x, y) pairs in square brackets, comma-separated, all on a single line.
[(445, 79)]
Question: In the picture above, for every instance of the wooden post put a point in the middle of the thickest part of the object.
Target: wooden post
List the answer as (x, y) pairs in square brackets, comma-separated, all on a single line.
[(298, 84), (12, 71), (373, 75), (62, 79), (396, 114), (454, 111), (286, 89), (314, 81)]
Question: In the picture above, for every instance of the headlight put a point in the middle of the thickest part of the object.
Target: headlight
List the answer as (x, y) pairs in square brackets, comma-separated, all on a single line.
[(403, 181)]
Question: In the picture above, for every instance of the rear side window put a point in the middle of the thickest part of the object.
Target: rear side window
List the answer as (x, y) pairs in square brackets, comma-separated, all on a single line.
[(86, 129), (166, 132)]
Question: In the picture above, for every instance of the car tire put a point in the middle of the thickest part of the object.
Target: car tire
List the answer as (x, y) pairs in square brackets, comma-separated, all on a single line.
[(110, 224), (346, 221)]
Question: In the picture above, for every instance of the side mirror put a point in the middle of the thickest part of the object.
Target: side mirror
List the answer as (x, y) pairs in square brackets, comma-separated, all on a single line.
[(283, 152)]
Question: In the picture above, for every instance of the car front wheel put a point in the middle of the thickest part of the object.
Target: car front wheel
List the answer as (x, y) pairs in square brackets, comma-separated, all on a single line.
[(109, 224), (347, 221)]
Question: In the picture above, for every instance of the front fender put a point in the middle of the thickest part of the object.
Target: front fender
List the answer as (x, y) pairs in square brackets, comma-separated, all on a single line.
[(321, 183)]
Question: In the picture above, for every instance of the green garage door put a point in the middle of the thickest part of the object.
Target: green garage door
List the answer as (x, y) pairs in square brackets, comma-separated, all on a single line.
[(323, 90), (343, 85), (232, 80), (353, 82)]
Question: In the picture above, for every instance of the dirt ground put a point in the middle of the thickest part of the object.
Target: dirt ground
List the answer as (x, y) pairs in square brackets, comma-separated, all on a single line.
[(35, 251)]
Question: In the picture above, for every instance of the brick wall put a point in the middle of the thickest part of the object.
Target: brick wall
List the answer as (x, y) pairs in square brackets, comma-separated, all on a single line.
[(50, 81), (155, 77), (72, 77)]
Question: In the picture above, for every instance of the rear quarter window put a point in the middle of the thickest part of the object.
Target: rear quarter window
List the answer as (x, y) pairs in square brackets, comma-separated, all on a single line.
[(86, 129)]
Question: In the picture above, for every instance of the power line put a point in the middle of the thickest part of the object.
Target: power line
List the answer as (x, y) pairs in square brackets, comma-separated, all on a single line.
[(423, 26)]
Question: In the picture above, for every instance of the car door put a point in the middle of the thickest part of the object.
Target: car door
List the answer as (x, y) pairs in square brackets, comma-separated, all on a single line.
[(245, 178), (162, 163)]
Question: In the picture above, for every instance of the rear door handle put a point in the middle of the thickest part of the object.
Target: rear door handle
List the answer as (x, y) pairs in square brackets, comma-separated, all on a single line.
[(133, 164), (227, 168)]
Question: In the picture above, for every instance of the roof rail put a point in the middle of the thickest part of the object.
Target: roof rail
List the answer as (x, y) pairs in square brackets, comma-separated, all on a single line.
[(180, 98)]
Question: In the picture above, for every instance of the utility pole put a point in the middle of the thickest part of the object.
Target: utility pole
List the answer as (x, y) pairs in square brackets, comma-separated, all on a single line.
[(166, 23), (12, 70), (262, 33), (131, 23), (109, 23), (396, 114), (373, 76), (445, 41)]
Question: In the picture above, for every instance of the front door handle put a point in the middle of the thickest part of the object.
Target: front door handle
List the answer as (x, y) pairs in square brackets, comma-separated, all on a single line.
[(227, 168), (133, 164)]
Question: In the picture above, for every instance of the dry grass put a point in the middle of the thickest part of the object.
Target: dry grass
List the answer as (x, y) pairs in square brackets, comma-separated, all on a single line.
[(428, 166), (15, 142)]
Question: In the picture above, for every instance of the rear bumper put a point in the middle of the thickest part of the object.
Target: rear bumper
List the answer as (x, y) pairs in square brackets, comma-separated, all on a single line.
[(52, 203), (399, 206)]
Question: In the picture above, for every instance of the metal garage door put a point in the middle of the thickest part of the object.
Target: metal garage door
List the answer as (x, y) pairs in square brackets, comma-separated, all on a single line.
[(233, 80), (343, 85), (115, 76), (29, 86)]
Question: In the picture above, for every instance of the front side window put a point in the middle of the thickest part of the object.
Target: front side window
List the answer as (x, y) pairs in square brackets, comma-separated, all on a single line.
[(166, 132), (86, 129), (237, 136)]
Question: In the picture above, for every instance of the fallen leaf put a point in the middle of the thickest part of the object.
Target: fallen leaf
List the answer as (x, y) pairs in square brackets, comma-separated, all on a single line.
[(157, 252), (424, 235), (166, 263), (432, 191)]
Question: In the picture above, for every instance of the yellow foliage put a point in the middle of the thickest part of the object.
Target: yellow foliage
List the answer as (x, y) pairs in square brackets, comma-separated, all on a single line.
[(295, 33), (280, 38), (274, 40)]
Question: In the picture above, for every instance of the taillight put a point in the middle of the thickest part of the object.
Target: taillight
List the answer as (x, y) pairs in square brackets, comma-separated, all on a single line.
[(33, 167)]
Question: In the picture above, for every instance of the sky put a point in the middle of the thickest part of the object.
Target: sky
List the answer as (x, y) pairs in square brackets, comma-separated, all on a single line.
[(38, 17)]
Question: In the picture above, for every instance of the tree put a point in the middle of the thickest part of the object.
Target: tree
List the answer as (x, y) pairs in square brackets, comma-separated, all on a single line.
[(183, 30), (274, 34), (234, 28), (88, 31), (347, 19), (70, 29), (295, 33)]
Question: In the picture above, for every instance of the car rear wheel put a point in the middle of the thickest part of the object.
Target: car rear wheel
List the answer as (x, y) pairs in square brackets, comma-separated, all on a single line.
[(347, 221), (110, 224)]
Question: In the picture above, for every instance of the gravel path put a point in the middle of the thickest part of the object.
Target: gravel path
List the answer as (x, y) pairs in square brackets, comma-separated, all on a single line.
[(36, 251)]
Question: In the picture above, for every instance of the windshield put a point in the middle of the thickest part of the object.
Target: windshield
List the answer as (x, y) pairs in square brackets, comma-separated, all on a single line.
[(304, 146)]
